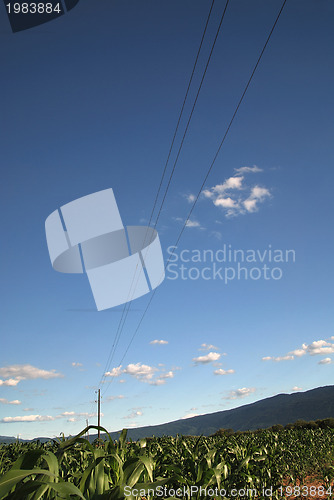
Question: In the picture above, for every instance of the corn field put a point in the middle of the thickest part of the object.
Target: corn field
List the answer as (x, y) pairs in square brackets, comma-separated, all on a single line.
[(250, 465)]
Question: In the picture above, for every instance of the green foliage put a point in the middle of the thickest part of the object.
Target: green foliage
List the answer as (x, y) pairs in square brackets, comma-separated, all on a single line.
[(74, 468)]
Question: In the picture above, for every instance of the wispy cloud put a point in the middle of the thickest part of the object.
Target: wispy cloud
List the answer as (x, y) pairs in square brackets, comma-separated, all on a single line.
[(160, 342), (73, 416), (5, 401), (189, 415), (278, 358), (77, 365), (162, 378), (193, 223), (13, 374), (27, 418), (208, 347), (115, 372), (235, 196), (240, 393), (216, 234), (313, 349), (208, 358), (143, 373), (133, 414), (325, 361), (220, 371), (248, 170), (190, 198), (10, 381)]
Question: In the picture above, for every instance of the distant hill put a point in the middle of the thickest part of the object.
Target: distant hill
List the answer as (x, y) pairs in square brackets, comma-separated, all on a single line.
[(282, 409)]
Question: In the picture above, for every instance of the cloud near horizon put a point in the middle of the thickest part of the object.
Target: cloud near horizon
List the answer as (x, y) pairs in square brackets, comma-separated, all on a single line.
[(241, 393), (313, 349)]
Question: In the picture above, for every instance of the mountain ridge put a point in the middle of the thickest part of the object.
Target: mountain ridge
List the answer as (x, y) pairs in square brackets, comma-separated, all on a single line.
[(314, 404)]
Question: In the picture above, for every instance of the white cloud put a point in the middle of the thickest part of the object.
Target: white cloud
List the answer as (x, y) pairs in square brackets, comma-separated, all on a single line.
[(73, 416), (208, 347), (140, 371), (234, 182), (115, 372), (220, 371), (189, 415), (225, 203), (234, 196), (207, 193), (241, 393), (169, 374), (313, 349), (10, 381), (190, 198), (27, 418), (296, 388), (5, 401), (160, 342), (208, 358), (248, 170), (193, 223), (320, 347), (325, 361), (278, 358), (76, 364), (250, 204), (15, 373), (258, 195)]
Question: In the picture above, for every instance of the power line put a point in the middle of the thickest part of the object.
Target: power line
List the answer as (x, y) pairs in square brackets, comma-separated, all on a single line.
[(181, 112), (192, 111), (127, 306), (209, 170), (126, 310)]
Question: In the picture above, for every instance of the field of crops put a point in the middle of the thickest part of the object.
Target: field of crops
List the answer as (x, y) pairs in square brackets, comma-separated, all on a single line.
[(261, 464)]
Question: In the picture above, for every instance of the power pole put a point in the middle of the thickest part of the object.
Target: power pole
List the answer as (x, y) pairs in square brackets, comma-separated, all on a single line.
[(98, 412), (87, 430)]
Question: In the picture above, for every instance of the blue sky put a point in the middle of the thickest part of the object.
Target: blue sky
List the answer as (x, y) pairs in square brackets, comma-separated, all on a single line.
[(90, 101)]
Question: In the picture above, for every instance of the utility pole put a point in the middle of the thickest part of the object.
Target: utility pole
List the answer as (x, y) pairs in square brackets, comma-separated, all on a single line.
[(98, 412)]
